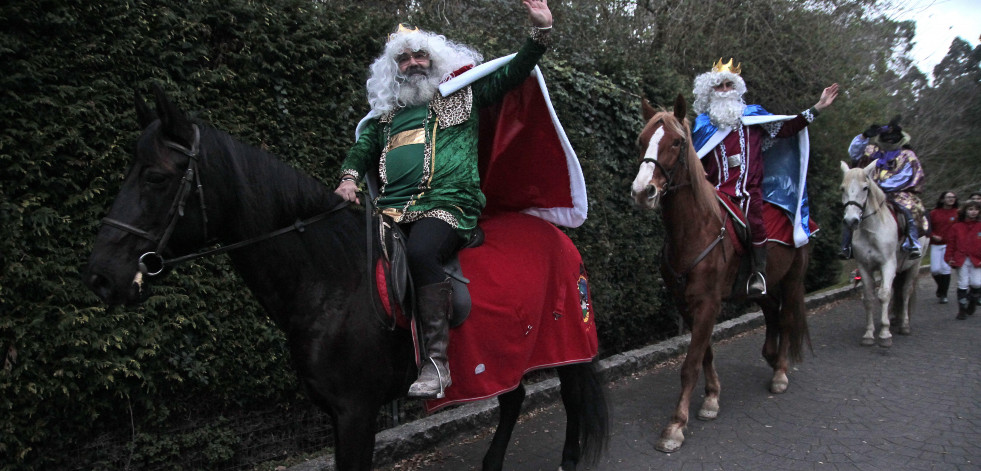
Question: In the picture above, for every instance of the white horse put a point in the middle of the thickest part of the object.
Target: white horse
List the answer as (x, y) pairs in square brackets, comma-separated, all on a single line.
[(877, 246)]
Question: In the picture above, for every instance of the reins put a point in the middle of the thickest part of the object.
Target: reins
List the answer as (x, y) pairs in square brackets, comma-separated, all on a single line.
[(155, 259), (682, 278)]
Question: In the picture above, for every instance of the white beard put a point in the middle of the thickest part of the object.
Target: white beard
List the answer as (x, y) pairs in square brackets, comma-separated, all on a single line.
[(726, 108), (417, 90)]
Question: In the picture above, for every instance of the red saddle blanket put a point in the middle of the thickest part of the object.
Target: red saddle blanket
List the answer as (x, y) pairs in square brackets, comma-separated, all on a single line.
[(531, 309), (779, 225)]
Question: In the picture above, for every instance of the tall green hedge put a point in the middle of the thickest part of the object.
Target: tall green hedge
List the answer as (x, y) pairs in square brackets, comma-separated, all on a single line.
[(168, 384)]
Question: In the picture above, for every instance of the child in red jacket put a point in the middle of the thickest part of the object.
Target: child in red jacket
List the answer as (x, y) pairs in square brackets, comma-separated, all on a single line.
[(964, 254)]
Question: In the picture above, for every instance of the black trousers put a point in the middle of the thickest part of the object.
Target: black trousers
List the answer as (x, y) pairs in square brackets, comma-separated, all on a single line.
[(430, 242)]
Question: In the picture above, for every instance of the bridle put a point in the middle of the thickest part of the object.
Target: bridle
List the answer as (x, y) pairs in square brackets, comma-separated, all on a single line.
[(861, 207), (190, 181), (669, 186), (152, 263), (669, 172)]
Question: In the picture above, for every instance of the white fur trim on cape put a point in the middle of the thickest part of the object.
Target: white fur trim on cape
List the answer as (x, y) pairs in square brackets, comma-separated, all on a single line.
[(800, 237), (569, 217)]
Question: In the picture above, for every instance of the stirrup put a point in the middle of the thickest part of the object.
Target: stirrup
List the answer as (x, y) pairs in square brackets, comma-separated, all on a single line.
[(749, 282), (439, 380), (913, 251)]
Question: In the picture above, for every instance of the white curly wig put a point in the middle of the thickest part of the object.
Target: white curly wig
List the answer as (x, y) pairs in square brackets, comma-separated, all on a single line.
[(445, 56), (727, 107)]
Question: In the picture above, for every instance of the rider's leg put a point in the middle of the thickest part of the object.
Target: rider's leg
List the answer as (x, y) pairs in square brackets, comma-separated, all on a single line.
[(430, 242), (912, 243), (756, 285), (757, 281)]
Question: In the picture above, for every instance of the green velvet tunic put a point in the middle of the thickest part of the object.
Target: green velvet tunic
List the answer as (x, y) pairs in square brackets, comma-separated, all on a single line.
[(448, 185)]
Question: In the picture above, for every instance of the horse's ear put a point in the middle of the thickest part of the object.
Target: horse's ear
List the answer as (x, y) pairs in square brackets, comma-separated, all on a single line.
[(172, 121), (844, 167), (680, 107), (144, 115), (647, 110), (869, 169)]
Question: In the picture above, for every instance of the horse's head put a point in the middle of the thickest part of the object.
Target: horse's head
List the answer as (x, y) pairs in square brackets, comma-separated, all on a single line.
[(663, 145), (858, 192), (158, 210)]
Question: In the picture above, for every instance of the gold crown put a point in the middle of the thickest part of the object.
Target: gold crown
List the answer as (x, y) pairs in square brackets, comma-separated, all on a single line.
[(403, 28), (727, 67)]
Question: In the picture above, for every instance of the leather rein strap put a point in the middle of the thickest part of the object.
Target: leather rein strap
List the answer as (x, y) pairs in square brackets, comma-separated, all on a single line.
[(177, 211)]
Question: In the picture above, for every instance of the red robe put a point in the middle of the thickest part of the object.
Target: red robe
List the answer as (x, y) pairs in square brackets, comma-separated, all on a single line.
[(730, 180)]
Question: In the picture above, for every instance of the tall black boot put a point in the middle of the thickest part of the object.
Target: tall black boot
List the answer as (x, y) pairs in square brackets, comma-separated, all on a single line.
[(943, 285), (961, 304), (432, 318), (846, 243), (756, 285), (912, 243), (973, 298)]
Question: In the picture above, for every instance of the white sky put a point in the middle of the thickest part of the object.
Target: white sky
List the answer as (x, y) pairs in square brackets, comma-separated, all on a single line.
[(938, 22)]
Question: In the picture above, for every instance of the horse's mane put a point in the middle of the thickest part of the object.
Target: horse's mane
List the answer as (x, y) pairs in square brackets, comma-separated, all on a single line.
[(263, 177), (271, 194), (703, 193)]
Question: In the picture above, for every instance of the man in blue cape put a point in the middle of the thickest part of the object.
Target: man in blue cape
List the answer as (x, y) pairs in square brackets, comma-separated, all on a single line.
[(734, 139)]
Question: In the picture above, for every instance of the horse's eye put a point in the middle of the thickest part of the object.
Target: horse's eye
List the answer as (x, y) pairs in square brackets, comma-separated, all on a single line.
[(156, 178), (676, 143)]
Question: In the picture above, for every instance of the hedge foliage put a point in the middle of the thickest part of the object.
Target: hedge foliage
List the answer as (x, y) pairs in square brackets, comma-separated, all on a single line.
[(165, 385)]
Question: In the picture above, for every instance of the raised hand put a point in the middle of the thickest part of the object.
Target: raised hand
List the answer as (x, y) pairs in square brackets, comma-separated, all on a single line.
[(827, 97), (538, 12)]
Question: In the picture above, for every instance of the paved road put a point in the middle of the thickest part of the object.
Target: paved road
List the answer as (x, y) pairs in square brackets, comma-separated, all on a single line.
[(914, 406)]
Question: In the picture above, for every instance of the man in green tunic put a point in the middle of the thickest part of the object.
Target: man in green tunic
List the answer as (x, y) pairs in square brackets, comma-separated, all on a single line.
[(424, 147)]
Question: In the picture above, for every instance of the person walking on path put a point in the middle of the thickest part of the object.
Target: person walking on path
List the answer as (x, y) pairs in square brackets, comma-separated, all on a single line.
[(942, 217), (964, 254)]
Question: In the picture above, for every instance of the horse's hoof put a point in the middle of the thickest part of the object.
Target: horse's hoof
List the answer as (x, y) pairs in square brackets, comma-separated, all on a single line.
[(904, 330), (707, 414), (779, 384), (667, 445), (710, 409), (885, 343), (670, 441), (867, 342)]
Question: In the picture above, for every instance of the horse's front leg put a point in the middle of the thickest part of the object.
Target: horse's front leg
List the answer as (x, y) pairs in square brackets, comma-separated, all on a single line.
[(885, 297), (710, 406), (354, 435), (869, 302), (703, 320)]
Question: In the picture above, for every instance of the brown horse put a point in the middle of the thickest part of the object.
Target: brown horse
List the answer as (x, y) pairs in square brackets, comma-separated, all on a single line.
[(700, 264)]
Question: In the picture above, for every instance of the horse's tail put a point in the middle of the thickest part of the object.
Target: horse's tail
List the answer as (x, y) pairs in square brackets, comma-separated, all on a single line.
[(800, 334), (594, 414)]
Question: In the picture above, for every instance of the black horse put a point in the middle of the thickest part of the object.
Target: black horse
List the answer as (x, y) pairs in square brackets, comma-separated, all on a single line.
[(190, 186)]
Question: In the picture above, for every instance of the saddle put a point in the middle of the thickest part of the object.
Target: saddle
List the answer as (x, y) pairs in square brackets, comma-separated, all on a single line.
[(401, 291), (399, 282)]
